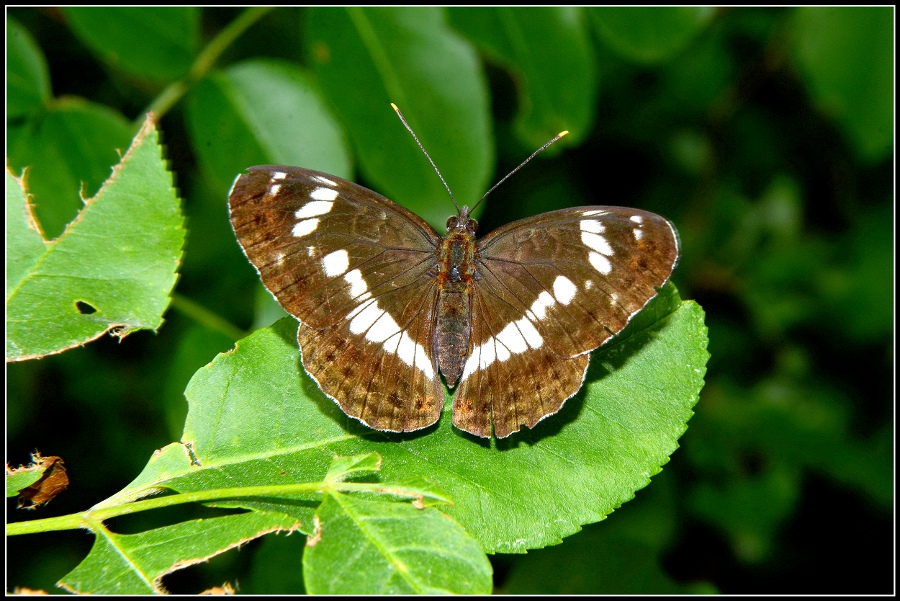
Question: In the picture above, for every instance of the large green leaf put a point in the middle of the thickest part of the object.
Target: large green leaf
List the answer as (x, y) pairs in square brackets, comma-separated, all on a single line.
[(846, 57), (112, 269), (27, 79), (264, 112), (549, 51), (255, 418), (650, 35), (152, 42), (68, 150), (367, 58)]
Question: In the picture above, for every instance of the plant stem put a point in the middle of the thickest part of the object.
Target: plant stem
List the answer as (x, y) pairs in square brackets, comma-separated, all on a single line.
[(204, 62), (205, 317), (90, 517)]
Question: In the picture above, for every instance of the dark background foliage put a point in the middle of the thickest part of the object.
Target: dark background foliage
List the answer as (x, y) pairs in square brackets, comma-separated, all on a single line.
[(765, 135)]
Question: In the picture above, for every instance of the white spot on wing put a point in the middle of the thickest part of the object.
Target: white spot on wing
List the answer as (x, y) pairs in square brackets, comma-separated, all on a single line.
[(358, 285), (323, 194), (305, 227), (512, 339), (273, 190), (336, 263), (530, 333), (539, 307), (592, 225), (383, 328), (637, 219), (278, 175), (600, 263), (597, 242), (564, 290), (364, 316), (406, 349), (472, 362), (502, 352), (313, 209), (380, 327), (638, 233), (489, 353)]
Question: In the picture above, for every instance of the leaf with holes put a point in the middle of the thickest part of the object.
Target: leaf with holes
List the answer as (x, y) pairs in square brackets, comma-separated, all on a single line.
[(111, 270), (134, 564)]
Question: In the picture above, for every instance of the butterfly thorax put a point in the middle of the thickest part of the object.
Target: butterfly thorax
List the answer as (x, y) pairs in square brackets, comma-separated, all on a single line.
[(456, 275)]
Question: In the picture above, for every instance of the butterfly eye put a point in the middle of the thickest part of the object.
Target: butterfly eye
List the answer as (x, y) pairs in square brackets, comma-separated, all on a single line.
[(452, 223), (472, 225)]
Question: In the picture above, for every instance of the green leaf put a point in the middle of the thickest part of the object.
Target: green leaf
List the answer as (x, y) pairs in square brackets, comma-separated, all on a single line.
[(134, 564), (396, 549), (255, 418), (367, 58), (343, 467), (68, 150), (27, 78), (264, 112), (112, 269), (846, 57), (549, 51), (650, 34), (155, 43)]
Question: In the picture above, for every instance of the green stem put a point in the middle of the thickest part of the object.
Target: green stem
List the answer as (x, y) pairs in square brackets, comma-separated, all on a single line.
[(205, 317), (204, 62), (89, 518)]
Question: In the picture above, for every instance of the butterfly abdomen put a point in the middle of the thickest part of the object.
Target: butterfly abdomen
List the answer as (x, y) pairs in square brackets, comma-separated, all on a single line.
[(456, 276)]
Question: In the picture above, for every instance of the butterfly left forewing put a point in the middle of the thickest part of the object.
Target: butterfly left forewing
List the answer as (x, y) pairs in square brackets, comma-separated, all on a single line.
[(322, 244), (550, 289)]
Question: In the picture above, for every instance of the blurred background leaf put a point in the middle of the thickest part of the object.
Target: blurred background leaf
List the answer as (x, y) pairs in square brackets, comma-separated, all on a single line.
[(764, 134)]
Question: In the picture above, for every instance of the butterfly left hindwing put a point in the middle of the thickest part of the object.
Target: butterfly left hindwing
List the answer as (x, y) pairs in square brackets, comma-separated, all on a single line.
[(353, 267)]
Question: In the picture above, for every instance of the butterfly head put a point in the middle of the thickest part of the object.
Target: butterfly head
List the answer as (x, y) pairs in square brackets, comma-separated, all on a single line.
[(462, 222)]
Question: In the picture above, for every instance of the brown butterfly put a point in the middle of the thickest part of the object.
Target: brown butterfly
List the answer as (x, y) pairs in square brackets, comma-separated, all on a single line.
[(386, 304)]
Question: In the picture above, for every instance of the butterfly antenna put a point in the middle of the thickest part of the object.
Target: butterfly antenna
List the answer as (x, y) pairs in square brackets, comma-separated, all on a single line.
[(436, 170), (525, 162)]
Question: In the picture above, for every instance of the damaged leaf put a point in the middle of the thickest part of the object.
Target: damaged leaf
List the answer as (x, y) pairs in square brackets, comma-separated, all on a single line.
[(113, 268), (38, 482), (134, 564), (343, 467)]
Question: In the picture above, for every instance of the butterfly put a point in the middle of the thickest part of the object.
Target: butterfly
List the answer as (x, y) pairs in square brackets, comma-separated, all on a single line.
[(386, 305)]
